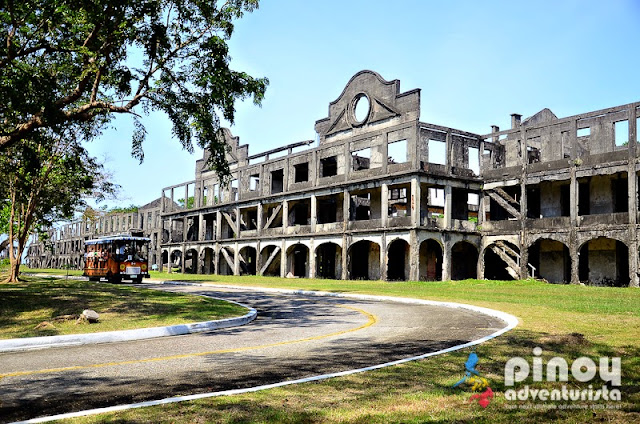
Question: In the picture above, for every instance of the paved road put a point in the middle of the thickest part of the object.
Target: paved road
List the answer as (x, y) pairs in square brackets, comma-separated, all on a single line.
[(293, 337)]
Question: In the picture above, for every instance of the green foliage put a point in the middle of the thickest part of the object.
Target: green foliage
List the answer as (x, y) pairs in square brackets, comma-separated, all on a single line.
[(125, 209), (64, 63), (46, 179), (190, 202)]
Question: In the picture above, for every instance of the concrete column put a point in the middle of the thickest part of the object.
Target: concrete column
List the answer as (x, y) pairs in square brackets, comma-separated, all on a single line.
[(259, 220), (169, 261), (314, 212), (258, 257), (446, 261), (236, 260), (283, 259), (238, 221), (633, 201), (383, 257), (345, 248), (346, 209), (201, 227), (312, 260), (185, 229), (384, 208), (182, 259), (481, 208), (414, 256), (218, 225), (170, 230), (448, 205), (285, 216), (415, 202), (448, 148)]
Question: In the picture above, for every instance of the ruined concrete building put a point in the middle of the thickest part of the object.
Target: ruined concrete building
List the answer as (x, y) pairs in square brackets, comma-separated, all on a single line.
[(382, 195), (64, 246)]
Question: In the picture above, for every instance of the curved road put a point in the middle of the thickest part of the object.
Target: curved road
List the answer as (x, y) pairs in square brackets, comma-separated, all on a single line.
[(293, 337)]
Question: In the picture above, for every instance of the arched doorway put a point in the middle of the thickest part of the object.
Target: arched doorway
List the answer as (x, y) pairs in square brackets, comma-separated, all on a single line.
[(191, 261), (502, 261), (248, 261), (208, 257), (398, 266), (464, 261), (551, 260), (176, 260), (226, 261), (297, 260), (270, 260), (364, 260), (329, 261), (604, 262), (430, 260)]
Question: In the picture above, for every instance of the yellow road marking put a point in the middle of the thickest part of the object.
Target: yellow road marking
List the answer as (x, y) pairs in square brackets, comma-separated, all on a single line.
[(371, 321)]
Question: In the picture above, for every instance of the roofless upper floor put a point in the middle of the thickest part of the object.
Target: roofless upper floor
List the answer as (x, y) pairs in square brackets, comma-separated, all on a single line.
[(373, 131)]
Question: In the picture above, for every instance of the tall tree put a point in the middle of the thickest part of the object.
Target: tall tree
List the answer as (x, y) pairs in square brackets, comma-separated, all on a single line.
[(45, 179), (68, 61)]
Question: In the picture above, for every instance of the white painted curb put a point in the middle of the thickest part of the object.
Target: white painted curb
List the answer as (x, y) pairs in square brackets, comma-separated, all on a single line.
[(14, 345), (511, 321)]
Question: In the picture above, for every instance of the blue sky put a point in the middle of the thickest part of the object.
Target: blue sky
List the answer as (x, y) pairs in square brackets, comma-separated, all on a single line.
[(476, 63)]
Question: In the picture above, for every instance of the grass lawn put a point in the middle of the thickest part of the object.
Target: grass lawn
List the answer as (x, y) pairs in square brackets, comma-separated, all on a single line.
[(564, 320), (25, 305)]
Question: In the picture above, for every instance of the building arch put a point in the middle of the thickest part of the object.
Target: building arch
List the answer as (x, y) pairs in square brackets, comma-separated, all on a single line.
[(248, 259), (551, 259), (191, 261), (501, 261), (464, 260), (207, 258), (398, 264), (226, 260), (270, 258), (363, 260), (604, 261), (328, 260), (298, 260), (430, 260)]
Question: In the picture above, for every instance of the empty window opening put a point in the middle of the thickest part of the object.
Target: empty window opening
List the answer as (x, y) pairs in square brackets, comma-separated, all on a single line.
[(361, 159), (254, 182), (205, 196), (249, 219), (474, 160), (397, 152), (301, 172), (216, 194), (329, 166), (584, 132), (437, 152), (277, 181), (361, 207), (619, 187), (234, 190), (436, 197), (327, 210), (299, 213), (361, 109), (621, 133), (398, 202)]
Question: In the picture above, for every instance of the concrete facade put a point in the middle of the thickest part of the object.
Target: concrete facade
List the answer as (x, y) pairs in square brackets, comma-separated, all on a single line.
[(65, 245), (383, 195)]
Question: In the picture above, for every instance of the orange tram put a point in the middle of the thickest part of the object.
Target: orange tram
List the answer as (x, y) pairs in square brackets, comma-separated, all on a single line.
[(117, 258)]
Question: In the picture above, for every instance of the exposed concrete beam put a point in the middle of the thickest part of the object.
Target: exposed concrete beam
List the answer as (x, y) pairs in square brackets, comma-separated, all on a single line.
[(268, 262), (513, 211), (232, 224), (273, 216), (227, 257)]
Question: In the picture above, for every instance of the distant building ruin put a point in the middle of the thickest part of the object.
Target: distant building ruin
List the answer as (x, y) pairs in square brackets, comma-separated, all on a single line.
[(383, 195)]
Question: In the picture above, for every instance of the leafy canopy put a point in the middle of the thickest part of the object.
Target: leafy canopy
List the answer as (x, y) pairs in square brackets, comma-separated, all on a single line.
[(70, 61)]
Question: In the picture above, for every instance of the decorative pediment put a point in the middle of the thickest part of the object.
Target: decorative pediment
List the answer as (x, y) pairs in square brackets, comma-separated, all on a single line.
[(367, 99)]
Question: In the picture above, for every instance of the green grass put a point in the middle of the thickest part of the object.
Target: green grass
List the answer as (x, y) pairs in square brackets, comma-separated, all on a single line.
[(26, 304), (565, 320)]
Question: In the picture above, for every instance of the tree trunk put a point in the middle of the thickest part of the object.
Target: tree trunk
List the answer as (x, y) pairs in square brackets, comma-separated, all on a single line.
[(14, 270)]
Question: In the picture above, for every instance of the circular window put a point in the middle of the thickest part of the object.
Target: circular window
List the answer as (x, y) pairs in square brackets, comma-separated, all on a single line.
[(361, 107)]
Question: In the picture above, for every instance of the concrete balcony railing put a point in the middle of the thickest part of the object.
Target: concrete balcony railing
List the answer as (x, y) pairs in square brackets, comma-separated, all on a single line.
[(398, 221), (299, 229), (549, 222), (329, 227), (365, 224), (619, 218), (501, 226)]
